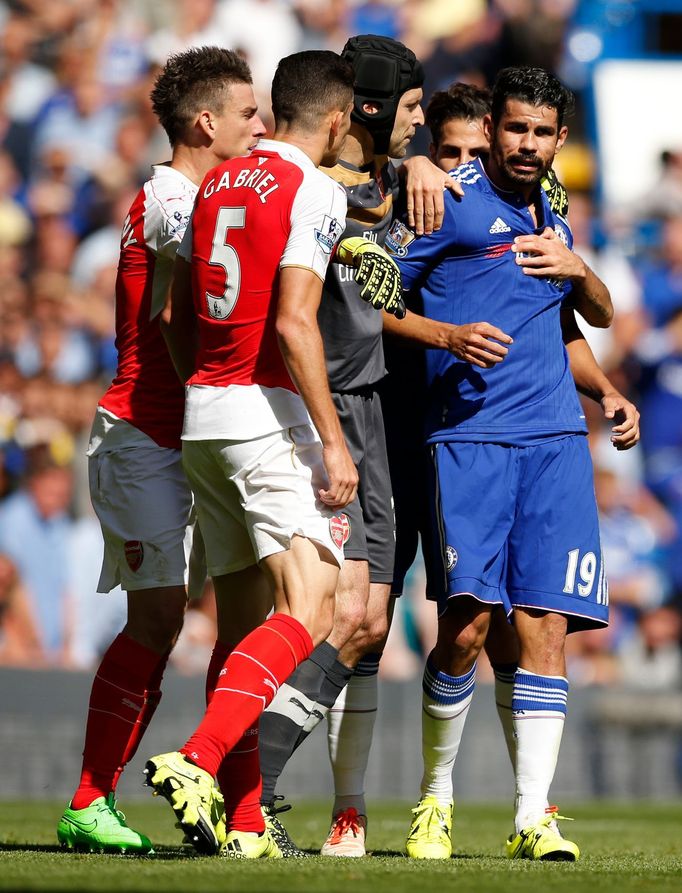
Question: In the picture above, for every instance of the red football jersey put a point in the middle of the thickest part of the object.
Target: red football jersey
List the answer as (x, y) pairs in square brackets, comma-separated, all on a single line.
[(146, 391), (252, 216)]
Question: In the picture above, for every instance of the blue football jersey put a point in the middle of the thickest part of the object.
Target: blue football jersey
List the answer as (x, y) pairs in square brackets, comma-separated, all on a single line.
[(465, 273)]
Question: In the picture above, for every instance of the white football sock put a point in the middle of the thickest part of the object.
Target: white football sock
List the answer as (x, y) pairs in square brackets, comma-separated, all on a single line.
[(539, 709), (350, 724), (445, 704), (504, 689)]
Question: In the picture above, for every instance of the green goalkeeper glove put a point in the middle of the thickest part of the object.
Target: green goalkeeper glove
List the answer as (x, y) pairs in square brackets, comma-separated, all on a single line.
[(556, 193), (376, 273)]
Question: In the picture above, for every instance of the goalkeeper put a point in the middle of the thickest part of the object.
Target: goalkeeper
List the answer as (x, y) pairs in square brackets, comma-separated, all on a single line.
[(385, 116)]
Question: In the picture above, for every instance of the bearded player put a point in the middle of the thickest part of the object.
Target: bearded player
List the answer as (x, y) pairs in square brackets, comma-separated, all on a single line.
[(533, 545)]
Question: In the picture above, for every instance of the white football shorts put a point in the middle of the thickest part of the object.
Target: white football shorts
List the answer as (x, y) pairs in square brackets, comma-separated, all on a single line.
[(254, 496), (144, 505)]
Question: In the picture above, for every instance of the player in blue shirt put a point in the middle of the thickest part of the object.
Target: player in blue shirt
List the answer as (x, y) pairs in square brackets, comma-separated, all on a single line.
[(513, 502), (455, 118)]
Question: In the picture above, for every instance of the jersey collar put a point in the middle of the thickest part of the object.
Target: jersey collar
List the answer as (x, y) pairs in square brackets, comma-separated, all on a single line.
[(514, 198), (284, 150), (165, 170)]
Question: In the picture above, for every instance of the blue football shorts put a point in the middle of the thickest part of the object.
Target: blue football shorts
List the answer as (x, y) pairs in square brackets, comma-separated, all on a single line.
[(518, 526)]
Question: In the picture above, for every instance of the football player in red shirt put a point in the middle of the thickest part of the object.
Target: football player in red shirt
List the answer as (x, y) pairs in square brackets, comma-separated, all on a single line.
[(262, 443), (205, 102)]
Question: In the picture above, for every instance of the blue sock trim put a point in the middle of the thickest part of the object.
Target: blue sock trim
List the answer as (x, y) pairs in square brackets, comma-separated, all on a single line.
[(505, 672), (444, 689), (368, 665), (533, 694)]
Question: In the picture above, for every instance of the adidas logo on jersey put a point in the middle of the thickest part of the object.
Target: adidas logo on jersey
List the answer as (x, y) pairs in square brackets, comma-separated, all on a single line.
[(499, 226)]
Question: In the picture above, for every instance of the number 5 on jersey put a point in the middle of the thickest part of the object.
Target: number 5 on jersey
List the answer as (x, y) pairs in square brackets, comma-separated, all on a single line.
[(225, 256)]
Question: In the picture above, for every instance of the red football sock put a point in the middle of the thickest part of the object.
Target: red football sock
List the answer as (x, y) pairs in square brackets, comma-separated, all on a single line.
[(116, 701), (220, 654), (246, 685), (152, 698), (239, 775), (241, 784)]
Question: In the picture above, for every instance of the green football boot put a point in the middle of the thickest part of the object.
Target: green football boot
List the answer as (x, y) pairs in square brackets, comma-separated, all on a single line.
[(100, 828)]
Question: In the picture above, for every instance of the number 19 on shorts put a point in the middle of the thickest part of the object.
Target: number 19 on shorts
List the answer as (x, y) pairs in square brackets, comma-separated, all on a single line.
[(582, 570)]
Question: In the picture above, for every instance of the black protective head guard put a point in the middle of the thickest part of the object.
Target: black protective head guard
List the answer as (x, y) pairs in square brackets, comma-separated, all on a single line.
[(384, 70)]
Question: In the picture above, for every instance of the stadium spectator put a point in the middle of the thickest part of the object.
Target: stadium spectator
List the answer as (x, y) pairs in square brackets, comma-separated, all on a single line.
[(82, 122), (34, 534), (25, 86), (193, 23), (19, 639), (662, 279), (659, 355)]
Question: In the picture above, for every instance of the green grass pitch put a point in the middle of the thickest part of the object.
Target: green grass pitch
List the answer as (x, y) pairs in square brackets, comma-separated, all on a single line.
[(628, 847)]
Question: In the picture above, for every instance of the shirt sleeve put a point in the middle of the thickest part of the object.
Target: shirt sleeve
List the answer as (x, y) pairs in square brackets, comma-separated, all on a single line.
[(563, 230), (318, 219), (185, 247), (172, 230), (416, 256), (166, 218)]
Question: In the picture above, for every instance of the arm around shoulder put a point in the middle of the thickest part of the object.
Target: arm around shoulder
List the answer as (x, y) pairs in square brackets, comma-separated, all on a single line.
[(178, 321)]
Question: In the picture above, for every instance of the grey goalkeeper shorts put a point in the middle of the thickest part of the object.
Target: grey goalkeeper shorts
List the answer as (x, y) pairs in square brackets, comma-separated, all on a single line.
[(372, 522)]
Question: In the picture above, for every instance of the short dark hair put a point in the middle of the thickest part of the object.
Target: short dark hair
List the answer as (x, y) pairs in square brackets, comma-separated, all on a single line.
[(535, 86), (194, 80), (308, 85), (460, 102)]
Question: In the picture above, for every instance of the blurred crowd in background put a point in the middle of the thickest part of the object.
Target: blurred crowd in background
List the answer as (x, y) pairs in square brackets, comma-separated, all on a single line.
[(77, 138)]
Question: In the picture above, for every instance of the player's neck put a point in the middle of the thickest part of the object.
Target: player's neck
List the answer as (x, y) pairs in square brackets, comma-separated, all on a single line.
[(358, 149), (193, 162), (311, 144), (497, 177)]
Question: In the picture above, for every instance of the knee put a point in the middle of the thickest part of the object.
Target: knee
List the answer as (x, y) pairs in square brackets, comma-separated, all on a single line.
[(469, 642), (318, 620), (372, 634), (159, 628), (349, 618), (542, 642), (320, 628), (458, 646)]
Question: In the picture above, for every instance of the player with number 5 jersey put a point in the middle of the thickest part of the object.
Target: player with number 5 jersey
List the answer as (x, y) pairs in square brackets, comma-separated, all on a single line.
[(262, 443)]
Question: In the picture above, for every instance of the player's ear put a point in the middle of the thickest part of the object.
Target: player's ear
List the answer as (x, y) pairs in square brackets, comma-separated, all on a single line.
[(206, 124), (335, 123), (488, 127), (563, 133), (339, 123)]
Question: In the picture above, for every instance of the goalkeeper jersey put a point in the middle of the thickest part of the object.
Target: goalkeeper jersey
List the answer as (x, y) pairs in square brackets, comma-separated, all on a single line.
[(466, 272), (351, 329)]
